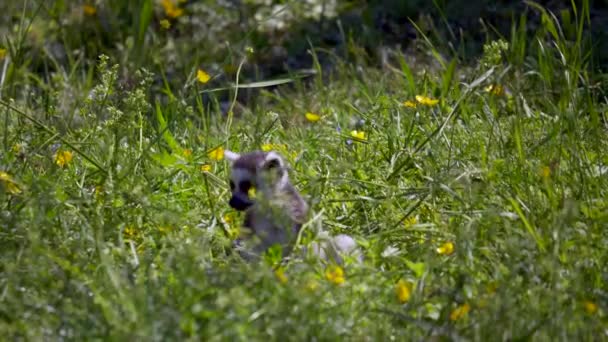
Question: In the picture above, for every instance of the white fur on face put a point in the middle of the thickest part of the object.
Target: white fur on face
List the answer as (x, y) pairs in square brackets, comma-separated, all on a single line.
[(231, 156)]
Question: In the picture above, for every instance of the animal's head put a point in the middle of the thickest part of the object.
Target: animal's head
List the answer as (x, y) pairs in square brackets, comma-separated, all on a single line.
[(265, 172)]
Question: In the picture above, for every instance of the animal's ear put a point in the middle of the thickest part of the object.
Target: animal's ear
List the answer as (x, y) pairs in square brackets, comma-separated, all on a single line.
[(231, 156), (273, 161)]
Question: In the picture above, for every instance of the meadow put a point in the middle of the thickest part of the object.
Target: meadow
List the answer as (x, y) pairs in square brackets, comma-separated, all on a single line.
[(476, 187)]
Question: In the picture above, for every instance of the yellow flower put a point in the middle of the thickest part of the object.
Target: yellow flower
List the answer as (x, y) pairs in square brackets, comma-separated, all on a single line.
[(130, 232), (202, 76), (165, 24), (89, 10), (171, 10), (360, 135), (410, 104), (403, 290), (460, 312), (63, 158), (335, 274), (495, 89), (427, 101), (267, 147), (17, 148), (234, 229), (217, 153), (2, 53), (229, 217), (277, 147), (205, 167), (590, 307), (410, 221), (187, 153), (312, 117), (545, 172), (446, 249), (281, 148), (9, 183), (280, 274), (251, 192)]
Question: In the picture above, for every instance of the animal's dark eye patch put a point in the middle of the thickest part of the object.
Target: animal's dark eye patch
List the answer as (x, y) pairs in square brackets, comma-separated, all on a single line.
[(272, 164), (231, 186), (244, 186)]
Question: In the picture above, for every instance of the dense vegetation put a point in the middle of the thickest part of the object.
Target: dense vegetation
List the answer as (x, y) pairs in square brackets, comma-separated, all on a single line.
[(476, 183)]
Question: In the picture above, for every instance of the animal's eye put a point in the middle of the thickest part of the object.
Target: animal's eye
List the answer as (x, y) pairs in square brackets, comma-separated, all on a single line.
[(244, 186), (231, 186)]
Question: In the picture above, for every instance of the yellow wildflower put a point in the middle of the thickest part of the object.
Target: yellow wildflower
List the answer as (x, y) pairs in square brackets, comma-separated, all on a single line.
[(187, 153), (89, 10), (277, 147), (18, 148), (165, 24), (249, 50), (460, 312), (495, 89), (2, 53), (410, 221), (281, 148), (234, 229), (9, 183), (312, 117), (63, 158), (251, 192), (130, 232), (410, 104), (403, 290), (171, 10), (267, 147), (427, 101), (217, 153), (280, 274), (446, 249), (229, 218), (360, 135), (205, 167), (335, 274), (590, 307), (545, 172), (202, 76)]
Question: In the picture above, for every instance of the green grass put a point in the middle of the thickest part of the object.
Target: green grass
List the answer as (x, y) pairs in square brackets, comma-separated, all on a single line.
[(129, 240)]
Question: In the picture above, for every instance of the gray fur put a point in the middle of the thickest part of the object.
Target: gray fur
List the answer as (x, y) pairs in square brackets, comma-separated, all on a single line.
[(278, 211)]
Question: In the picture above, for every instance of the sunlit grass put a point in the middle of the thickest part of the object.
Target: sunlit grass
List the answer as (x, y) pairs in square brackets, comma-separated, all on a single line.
[(476, 190)]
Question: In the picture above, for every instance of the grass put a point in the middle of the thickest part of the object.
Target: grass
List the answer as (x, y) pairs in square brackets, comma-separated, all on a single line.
[(482, 216)]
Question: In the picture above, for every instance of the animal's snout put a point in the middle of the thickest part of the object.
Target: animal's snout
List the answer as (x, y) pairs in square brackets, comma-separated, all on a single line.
[(239, 203)]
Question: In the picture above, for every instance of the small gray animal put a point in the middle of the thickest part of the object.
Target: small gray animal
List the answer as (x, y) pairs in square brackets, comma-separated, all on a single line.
[(278, 211)]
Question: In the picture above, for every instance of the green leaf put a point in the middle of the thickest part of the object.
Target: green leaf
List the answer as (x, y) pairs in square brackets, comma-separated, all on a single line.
[(417, 267), (407, 71), (448, 77), (164, 130), (274, 255)]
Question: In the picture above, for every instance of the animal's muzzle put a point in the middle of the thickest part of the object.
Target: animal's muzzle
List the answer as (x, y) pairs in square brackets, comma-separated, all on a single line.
[(239, 203)]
